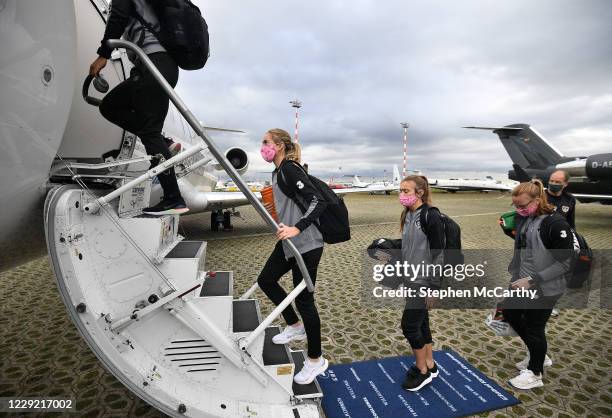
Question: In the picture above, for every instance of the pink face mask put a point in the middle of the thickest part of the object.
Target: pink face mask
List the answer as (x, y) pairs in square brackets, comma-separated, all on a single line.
[(408, 200), (530, 210), (268, 151)]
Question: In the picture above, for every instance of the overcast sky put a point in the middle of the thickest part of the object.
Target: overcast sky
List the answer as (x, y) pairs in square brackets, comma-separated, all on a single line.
[(361, 67)]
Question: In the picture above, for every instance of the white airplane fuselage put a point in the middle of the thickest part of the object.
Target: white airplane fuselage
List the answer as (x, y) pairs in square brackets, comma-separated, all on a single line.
[(45, 56)]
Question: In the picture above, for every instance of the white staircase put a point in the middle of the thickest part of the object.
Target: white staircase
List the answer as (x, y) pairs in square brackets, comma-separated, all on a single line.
[(161, 323)]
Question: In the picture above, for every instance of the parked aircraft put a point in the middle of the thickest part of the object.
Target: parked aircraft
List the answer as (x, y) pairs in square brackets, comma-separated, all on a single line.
[(534, 156), (462, 185)]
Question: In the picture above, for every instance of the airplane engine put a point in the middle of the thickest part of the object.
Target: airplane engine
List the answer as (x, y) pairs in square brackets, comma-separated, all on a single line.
[(599, 167), (238, 158)]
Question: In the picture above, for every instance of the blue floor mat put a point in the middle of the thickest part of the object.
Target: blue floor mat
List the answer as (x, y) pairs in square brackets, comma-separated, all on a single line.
[(374, 389)]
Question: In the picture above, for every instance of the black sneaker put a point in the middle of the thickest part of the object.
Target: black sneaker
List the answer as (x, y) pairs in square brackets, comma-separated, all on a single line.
[(167, 207), (434, 370), (415, 380)]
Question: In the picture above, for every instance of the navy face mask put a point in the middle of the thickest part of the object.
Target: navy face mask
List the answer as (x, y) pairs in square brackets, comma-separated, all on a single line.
[(555, 188)]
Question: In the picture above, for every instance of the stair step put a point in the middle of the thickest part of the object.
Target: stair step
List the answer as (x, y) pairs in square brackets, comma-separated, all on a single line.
[(154, 235), (186, 249), (184, 264), (221, 284), (189, 250), (312, 390), (245, 315), (274, 354)]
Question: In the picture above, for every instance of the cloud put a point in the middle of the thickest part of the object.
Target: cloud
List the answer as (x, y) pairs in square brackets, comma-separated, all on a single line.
[(362, 67)]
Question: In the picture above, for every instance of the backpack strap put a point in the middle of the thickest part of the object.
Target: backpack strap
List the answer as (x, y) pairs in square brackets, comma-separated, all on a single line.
[(146, 24), (281, 180), (545, 228), (424, 217)]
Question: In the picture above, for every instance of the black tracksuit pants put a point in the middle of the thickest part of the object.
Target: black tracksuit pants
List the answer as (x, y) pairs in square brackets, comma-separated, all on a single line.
[(415, 323), (276, 266), (140, 105), (530, 325)]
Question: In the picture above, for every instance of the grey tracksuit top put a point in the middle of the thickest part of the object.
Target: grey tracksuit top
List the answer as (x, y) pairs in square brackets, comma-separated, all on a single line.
[(290, 214), (534, 259), (419, 247), (121, 22)]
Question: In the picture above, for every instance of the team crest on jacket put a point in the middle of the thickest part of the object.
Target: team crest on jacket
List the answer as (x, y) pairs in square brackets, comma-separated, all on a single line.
[(565, 209), (299, 185)]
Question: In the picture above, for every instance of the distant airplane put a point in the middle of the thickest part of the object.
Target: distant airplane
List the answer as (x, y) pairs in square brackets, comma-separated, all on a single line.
[(462, 185), (378, 187), (533, 156)]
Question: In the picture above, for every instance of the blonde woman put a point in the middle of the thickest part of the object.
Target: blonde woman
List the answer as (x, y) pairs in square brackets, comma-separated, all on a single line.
[(422, 242), (543, 246), (293, 189)]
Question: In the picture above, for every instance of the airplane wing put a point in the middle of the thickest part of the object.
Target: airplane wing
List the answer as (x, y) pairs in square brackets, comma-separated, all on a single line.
[(433, 186), (367, 189), (592, 196), (227, 199)]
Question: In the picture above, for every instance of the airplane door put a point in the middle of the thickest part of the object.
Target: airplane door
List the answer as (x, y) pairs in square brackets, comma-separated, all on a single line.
[(88, 135)]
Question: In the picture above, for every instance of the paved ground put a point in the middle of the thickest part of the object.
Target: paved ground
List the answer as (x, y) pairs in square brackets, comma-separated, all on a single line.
[(42, 354)]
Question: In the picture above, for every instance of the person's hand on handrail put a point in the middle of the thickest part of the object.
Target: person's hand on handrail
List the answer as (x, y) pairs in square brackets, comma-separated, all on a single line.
[(286, 232), (97, 66)]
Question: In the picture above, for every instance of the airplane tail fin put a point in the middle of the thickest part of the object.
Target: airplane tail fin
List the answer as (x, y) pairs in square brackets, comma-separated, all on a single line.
[(396, 174), (526, 147)]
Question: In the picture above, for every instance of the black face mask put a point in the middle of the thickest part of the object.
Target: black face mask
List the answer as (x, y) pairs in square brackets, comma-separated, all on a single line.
[(555, 188)]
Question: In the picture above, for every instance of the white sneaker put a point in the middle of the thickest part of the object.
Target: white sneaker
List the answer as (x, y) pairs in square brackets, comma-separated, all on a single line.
[(555, 312), (527, 380), (310, 371), (523, 364), (290, 334)]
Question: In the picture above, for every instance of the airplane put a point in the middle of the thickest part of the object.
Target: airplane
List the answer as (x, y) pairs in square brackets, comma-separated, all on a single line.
[(534, 156), (378, 187), (358, 183), (460, 185)]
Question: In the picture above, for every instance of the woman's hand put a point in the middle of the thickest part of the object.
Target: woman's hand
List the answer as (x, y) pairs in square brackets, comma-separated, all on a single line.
[(97, 65), (521, 283), (286, 232)]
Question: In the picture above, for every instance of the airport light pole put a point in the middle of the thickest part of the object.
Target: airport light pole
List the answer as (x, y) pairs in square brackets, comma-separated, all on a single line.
[(297, 104), (405, 125)]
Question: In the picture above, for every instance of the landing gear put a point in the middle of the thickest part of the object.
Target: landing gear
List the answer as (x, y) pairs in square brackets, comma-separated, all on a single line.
[(218, 217), (227, 221)]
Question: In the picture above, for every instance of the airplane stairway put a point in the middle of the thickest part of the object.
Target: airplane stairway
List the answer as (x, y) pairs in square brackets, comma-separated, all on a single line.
[(166, 327)]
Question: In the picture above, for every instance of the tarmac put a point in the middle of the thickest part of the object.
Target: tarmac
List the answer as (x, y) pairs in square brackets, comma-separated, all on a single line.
[(43, 355)]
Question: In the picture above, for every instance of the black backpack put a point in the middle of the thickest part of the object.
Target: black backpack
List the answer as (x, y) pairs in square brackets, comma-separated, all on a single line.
[(582, 258), (452, 237), (183, 32), (581, 264), (334, 221)]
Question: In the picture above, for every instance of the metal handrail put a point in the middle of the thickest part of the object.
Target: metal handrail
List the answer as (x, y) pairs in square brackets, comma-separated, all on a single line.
[(220, 157)]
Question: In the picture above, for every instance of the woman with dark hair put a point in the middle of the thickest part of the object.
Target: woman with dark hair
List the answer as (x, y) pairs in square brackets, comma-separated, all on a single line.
[(544, 244)]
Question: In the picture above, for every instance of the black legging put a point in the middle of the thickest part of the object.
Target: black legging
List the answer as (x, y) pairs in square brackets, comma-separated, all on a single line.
[(415, 323), (276, 266), (529, 322), (140, 105)]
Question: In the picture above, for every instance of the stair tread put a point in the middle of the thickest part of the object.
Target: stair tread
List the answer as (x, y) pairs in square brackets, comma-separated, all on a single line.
[(186, 249), (312, 390), (245, 315), (274, 354), (219, 285)]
